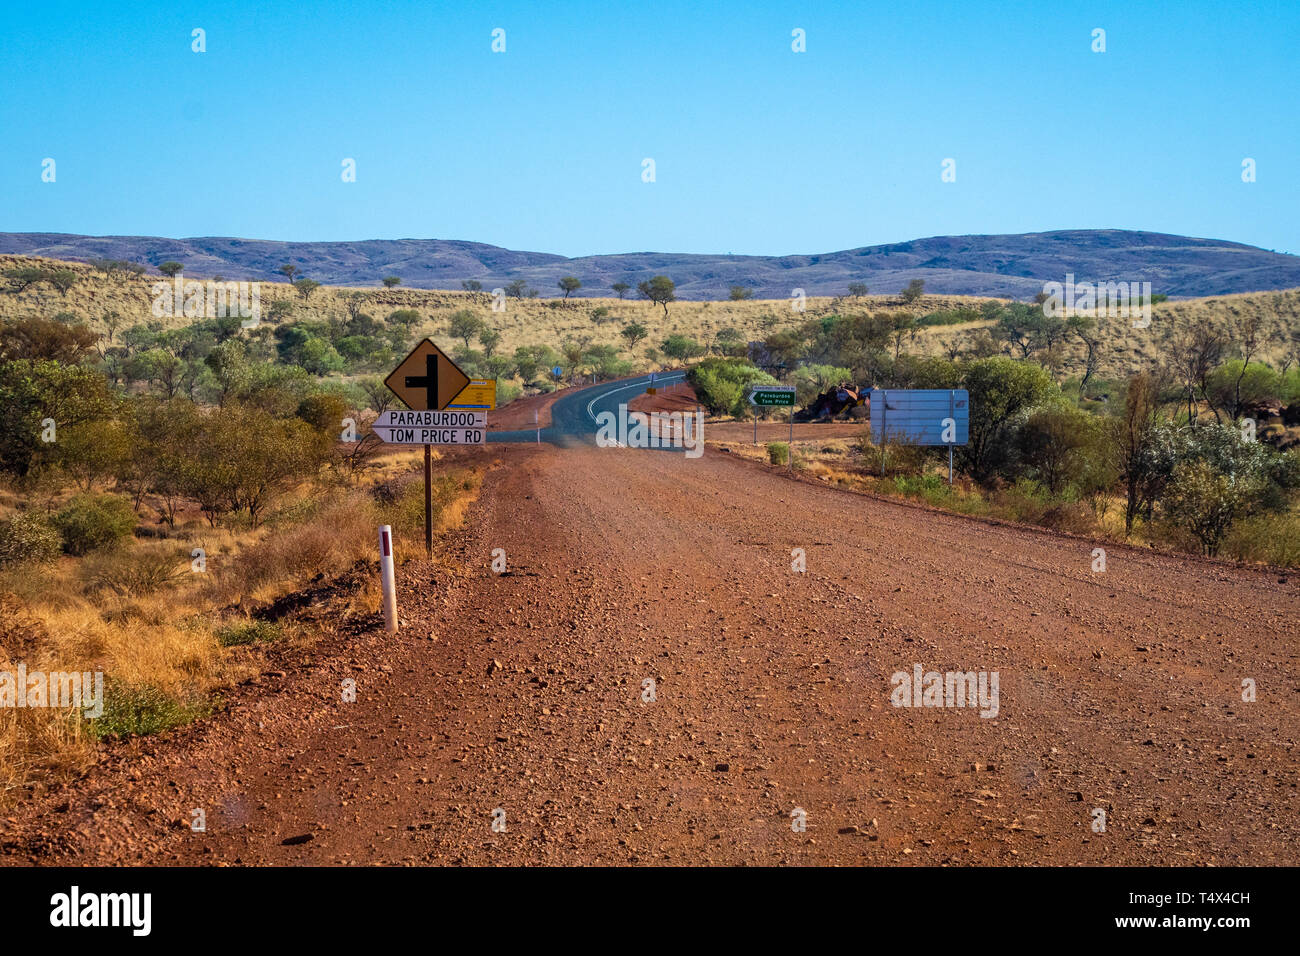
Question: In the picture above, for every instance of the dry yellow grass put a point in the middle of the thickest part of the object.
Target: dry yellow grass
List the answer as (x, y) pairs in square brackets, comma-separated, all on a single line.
[(1126, 349), (144, 617)]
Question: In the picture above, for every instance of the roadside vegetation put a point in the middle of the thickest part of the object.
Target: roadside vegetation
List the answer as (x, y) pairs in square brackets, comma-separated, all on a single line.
[(1198, 452), (149, 532)]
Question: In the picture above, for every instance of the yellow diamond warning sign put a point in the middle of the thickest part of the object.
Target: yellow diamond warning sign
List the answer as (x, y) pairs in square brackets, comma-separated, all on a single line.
[(427, 379)]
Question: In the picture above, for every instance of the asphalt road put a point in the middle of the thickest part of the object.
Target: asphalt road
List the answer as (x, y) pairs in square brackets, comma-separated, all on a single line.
[(573, 417)]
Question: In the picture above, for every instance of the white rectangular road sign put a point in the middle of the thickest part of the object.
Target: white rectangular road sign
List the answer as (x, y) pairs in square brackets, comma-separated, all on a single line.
[(401, 418), (435, 435), (920, 416)]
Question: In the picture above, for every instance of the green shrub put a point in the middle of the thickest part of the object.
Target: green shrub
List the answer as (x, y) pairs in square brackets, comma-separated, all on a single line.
[(91, 521), (144, 709), (507, 392), (720, 384), (1231, 382), (933, 489), (1001, 392), (247, 632), (811, 380), (1207, 502), (28, 537), (1271, 539), (778, 452), (1062, 447)]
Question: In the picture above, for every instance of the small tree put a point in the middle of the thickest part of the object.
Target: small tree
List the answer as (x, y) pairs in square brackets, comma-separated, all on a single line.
[(1248, 329), (171, 268), (355, 303), (289, 271), (730, 342), (471, 285), (404, 317), (24, 276), (62, 279), (306, 287), (112, 322), (527, 362), (1207, 503), (1056, 442), (633, 333), (92, 521), (390, 281), (465, 325), (1084, 329), (915, 289), (95, 450), (569, 285), (660, 290), (1197, 351), (489, 338), (280, 309), (37, 338), (681, 348), (620, 289), (1000, 391), (857, 289), (1135, 442), (739, 293)]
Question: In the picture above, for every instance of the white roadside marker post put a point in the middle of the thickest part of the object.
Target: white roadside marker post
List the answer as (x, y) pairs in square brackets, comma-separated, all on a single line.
[(386, 578)]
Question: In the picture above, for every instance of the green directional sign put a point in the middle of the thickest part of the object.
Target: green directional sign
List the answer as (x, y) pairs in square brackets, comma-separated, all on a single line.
[(769, 395)]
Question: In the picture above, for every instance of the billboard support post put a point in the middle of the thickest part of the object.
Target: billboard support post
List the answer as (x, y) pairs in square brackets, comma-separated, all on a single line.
[(884, 411), (952, 413), (428, 500)]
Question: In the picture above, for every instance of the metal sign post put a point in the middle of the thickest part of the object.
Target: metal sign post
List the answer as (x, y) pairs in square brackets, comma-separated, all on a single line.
[(884, 410), (428, 501), (952, 413), (769, 396), (428, 381)]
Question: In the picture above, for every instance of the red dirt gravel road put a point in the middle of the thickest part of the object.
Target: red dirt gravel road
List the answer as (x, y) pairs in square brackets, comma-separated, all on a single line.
[(1119, 691)]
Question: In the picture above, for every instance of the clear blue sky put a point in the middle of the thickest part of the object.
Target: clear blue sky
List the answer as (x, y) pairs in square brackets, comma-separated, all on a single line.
[(758, 149)]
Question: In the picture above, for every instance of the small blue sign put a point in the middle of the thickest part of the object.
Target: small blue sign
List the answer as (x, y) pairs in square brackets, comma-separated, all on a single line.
[(557, 371)]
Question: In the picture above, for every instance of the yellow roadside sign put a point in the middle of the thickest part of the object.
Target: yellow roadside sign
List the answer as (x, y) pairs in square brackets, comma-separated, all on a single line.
[(480, 393), (426, 379)]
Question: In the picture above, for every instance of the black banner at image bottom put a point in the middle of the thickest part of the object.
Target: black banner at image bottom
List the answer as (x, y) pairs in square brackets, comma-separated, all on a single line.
[(372, 905)]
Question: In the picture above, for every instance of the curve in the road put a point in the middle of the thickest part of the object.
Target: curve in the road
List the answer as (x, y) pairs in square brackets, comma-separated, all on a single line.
[(573, 417)]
